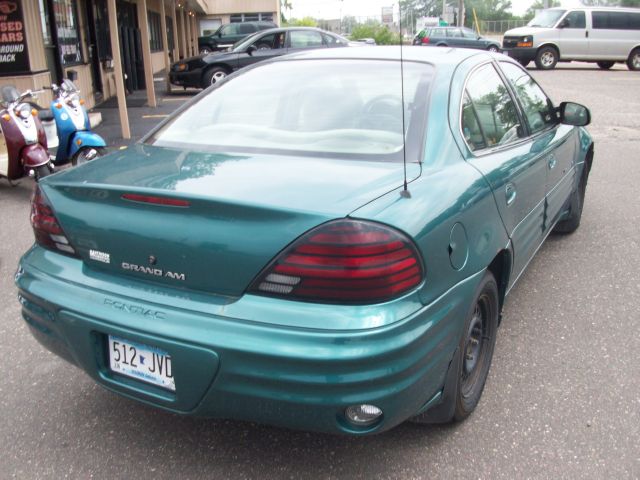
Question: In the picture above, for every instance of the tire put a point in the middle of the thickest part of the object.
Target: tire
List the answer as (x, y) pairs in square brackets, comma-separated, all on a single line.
[(492, 48), (205, 50), (86, 154), (547, 58), (442, 45), (524, 63), (213, 76), (572, 222), (633, 62), (264, 46), (606, 65), (42, 171), (473, 357)]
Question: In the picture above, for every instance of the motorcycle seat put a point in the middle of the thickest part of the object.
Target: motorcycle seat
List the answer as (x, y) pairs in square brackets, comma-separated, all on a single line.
[(45, 115)]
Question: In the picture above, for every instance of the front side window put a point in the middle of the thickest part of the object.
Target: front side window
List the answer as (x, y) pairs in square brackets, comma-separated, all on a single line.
[(575, 20), (469, 33), (305, 39), (68, 30), (537, 107), (354, 113), (493, 108), (230, 29), (471, 126)]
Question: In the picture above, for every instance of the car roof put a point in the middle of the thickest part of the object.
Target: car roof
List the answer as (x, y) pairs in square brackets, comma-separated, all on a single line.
[(428, 54)]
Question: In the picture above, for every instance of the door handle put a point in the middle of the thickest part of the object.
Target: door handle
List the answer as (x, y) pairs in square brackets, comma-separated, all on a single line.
[(552, 161), (510, 193)]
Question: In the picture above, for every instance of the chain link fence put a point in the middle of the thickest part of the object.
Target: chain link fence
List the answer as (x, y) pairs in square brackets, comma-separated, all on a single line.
[(498, 27)]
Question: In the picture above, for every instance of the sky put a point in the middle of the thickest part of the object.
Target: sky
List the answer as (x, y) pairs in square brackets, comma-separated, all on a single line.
[(329, 9)]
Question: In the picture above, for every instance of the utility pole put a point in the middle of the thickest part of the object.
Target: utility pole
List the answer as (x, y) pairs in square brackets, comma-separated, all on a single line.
[(461, 13)]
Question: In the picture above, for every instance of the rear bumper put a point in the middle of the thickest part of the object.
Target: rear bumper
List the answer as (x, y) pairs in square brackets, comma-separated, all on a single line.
[(521, 54), (186, 79), (233, 367)]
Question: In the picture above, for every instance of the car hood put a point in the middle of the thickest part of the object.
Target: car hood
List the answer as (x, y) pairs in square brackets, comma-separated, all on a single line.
[(522, 31)]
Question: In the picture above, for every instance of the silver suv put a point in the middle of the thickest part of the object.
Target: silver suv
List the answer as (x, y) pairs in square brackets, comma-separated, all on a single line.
[(597, 34)]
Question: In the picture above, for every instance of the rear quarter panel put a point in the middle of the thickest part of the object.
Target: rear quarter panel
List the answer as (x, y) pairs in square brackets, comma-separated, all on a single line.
[(448, 191)]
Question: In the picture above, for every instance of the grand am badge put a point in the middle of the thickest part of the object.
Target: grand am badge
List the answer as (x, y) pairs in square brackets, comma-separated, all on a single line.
[(156, 272)]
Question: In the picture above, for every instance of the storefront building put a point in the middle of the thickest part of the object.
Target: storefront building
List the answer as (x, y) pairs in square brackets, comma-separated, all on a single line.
[(109, 47)]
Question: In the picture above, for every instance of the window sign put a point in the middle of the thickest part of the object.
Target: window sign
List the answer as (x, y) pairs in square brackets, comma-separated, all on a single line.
[(14, 57), (68, 31)]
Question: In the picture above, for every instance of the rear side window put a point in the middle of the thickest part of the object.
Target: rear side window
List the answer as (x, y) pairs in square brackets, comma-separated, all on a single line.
[(616, 20), (304, 38), (575, 20), (438, 32), (246, 28), (454, 32), (493, 110), (537, 107)]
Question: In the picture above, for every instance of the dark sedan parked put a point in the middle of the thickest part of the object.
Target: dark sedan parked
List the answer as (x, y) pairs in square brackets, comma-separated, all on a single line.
[(455, 37), (204, 70)]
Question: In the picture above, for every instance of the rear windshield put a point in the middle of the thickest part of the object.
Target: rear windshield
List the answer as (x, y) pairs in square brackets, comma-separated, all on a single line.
[(335, 108)]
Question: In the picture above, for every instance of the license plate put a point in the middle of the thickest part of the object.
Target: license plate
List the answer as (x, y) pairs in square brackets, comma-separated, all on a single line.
[(143, 362)]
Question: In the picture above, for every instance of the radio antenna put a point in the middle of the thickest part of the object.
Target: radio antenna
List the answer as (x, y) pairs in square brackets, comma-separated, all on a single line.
[(405, 192)]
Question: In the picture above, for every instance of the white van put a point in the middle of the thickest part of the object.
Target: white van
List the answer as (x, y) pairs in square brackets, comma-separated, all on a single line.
[(594, 34)]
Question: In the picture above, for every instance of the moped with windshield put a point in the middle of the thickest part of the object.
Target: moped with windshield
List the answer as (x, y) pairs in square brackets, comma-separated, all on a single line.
[(23, 142), (76, 142)]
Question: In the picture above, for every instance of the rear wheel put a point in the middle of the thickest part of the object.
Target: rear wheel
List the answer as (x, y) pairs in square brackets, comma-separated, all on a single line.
[(547, 58), (493, 48), (633, 62), (606, 65), (86, 154), (213, 76), (475, 352)]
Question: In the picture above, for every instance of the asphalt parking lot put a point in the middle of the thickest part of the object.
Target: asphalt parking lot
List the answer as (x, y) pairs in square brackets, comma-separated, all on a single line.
[(562, 399)]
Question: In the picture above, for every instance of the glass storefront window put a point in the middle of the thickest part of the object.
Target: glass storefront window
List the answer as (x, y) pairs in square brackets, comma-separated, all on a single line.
[(68, 30)]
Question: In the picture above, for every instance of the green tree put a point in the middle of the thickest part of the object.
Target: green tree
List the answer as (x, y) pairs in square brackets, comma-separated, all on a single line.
[(380, 33), (487, 10), (302, 22), (284, 5)]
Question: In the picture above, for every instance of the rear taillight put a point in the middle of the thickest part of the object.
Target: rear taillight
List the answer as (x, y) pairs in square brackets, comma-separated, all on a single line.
[(425, 39), (46, 228), (344, 261)]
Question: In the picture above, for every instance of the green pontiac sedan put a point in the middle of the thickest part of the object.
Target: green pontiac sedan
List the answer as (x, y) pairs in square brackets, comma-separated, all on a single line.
[(334, 260)]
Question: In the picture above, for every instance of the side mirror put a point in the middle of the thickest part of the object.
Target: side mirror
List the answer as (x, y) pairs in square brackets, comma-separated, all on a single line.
[(251, 49), (574, 114)]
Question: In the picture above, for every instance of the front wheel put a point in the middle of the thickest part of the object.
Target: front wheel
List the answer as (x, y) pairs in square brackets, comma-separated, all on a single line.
[(86, 154), (493, 48), (633, 62), (204, 50), (42, 171), (213, 76), (547, 58), (606, 65), (572, 222)]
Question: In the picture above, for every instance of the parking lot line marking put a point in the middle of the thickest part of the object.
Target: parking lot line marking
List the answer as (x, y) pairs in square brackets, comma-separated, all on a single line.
[(175, 99), (155, 116)]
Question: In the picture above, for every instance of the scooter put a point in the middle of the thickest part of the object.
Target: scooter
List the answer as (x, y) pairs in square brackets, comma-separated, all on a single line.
[(76, 140), (23, 142)]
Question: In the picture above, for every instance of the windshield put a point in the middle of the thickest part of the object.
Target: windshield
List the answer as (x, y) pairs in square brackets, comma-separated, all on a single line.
[(546, 18), (294, 107)]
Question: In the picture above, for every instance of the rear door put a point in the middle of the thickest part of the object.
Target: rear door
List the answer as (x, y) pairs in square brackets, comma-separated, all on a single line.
[(501, 150), (455, 38), (555, 142), (573, 38)]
